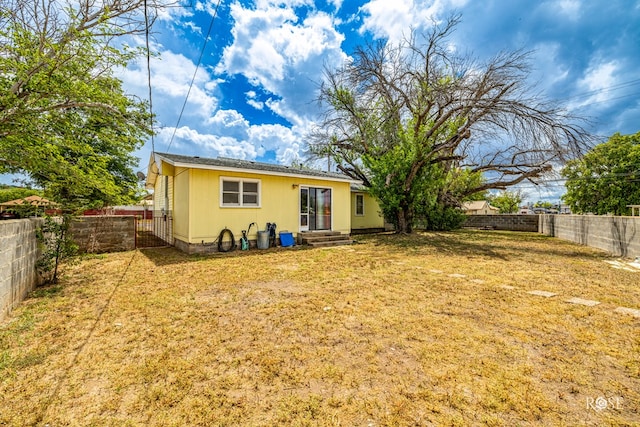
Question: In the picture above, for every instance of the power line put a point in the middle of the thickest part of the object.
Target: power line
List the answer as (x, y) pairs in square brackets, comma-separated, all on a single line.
[(204, 45), (604, 89), (611, 99), (148, 54), (627, 177)]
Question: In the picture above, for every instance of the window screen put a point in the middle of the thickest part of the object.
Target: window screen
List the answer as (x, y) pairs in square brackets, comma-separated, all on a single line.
[(360, 204), (239, 192)]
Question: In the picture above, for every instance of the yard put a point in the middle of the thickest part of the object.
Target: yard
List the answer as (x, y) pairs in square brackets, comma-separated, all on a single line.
[(431, 329)]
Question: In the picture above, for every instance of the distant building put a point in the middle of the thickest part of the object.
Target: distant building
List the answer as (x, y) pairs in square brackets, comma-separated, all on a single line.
[(565, 209), (481, 207), (525, 210), (557, 209), (30, 206)]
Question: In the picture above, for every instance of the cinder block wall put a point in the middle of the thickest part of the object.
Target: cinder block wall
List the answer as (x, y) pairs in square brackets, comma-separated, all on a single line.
[(618, 235), (19, 250), (503, 222), (97, 234), (18, 257)]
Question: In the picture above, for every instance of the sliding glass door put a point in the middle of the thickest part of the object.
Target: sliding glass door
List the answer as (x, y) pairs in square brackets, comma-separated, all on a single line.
[(315, 208)]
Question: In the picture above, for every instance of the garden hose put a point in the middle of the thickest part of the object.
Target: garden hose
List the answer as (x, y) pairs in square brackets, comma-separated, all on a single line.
[(221, 236)]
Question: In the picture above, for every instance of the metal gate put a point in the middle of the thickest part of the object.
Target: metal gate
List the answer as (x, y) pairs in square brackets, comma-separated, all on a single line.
[(156, 231)]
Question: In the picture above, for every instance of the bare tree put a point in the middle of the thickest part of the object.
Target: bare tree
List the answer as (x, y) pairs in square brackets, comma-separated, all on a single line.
[(398, 113)]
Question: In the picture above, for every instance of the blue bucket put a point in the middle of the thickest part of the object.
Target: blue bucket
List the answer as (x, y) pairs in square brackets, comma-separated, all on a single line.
[(286, 239)]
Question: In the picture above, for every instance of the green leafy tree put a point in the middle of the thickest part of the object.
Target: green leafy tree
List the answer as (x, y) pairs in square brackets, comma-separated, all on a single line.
[(401, 117), (15, 193), (542, 204), (56, 245), (606, 179), (65, 120), (461, 184), (437, 208), (507, 201)]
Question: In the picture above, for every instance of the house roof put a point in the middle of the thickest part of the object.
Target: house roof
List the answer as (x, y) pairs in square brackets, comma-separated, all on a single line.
[(29, 200), (227, 164), (477, 205)]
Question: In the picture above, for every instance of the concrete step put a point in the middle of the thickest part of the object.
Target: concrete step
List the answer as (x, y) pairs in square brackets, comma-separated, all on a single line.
[(319, 233), (324, 238), (317, 239)]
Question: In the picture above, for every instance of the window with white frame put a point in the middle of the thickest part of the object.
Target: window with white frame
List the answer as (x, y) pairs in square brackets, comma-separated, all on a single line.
[(239, 192), (359, 204)]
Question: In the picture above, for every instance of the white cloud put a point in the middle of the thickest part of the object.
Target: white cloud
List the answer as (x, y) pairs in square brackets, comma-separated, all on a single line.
[(209, 6), (266, 4), (171, 75), (598, 79), (283, 140), (252, 101), (267, 64), (570, 8), (278, 52), (394, 19), (255, 104), (600, 76), (185, 138), (548, 65), (253, 32), (385, 19), (282, 54), (245, 142), (173, 14), (193, 27), (230, 123), (290, 154), (336, 3), (204, 128), (289, 110)]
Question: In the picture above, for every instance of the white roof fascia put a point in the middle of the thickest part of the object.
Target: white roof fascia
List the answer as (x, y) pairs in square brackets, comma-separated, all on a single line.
[(251, 171)]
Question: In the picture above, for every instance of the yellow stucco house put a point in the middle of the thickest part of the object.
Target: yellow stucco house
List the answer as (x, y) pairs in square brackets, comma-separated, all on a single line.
[(195, 198), (366, 215)]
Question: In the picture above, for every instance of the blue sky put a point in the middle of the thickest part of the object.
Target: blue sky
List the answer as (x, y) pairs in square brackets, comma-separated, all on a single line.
[(253, 96)]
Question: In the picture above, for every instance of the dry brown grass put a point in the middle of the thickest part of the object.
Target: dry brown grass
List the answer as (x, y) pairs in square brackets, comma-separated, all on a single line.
[(372, 334)]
